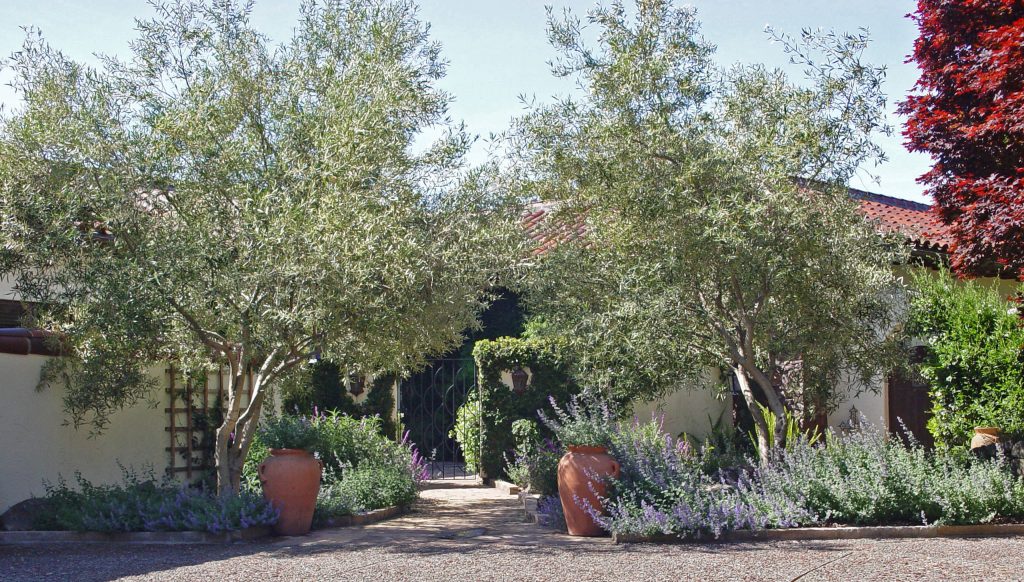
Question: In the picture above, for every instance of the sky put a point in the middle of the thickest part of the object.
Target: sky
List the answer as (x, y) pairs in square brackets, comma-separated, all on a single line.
[(498, 51)]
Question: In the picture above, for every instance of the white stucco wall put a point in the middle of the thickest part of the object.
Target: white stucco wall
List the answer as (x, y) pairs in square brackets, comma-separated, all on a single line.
[(871, 402), (37, 446), (691, 410), (6, 290)]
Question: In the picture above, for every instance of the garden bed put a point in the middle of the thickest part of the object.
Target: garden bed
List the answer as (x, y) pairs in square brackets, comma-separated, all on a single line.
[(530, 502), (365, 518), (186, 537), (860, 484), (835, 533)]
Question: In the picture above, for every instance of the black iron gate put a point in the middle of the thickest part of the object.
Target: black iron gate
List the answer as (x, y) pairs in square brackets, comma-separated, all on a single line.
[(429, 403)]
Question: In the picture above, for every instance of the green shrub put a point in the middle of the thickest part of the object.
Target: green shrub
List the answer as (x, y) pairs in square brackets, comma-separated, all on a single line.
[(974, 363), (375, 487), (288, 432), (467, 433), (534, 465), (537, 470), (549, 377), (363, 469)]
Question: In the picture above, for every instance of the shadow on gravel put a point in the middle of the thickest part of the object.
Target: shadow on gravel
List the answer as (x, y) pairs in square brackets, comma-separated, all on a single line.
[(476, 524), (101, 562)]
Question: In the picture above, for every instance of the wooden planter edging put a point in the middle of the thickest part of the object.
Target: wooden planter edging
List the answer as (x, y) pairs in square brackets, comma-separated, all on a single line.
[(137, 537), (367, 518), (835, 533)]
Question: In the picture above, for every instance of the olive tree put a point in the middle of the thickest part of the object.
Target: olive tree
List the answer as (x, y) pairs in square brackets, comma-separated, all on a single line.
[(216, 199), (719, 228)]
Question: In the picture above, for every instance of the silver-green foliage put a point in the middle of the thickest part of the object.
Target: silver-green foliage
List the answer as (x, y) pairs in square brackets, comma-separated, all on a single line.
[(719, 230), (868, 478), (215, 198)]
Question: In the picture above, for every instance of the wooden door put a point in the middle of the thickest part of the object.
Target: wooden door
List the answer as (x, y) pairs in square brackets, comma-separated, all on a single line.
[(909, 402)]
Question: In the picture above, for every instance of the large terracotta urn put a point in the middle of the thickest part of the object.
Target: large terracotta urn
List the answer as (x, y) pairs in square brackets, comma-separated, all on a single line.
[(583, 473), (985, 436), (291, 481)]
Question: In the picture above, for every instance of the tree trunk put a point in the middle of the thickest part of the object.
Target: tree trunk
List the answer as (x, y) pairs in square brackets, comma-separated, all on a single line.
[(765, 441), (231, 452), (760, 424), (235, 434)]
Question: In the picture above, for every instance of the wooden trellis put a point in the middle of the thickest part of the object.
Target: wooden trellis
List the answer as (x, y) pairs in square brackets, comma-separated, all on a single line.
[(189, 398)]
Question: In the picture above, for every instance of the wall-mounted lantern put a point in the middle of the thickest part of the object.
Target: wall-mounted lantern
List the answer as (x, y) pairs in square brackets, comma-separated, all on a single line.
[(520, 379), (357, 384)]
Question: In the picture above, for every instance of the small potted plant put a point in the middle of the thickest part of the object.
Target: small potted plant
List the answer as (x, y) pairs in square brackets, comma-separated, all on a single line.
[(291, 475), (585, 428)]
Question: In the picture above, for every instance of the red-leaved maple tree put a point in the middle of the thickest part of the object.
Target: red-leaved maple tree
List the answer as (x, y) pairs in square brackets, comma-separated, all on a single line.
[(967, 112)]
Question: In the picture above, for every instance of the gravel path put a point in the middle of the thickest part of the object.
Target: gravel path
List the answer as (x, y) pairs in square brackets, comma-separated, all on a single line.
[(473, 533)]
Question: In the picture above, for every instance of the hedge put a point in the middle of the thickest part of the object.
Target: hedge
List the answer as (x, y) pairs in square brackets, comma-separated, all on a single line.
[(549, 376), (975, 361)]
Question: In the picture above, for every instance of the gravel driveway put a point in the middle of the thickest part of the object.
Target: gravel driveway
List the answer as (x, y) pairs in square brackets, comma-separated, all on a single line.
[(472, 533)]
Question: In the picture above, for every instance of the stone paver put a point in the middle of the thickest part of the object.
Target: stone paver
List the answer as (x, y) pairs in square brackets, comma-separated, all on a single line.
[(474, 533)]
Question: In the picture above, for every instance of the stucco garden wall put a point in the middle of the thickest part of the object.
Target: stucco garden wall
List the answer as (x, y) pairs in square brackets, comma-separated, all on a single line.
[(37, 445), (692, 409)]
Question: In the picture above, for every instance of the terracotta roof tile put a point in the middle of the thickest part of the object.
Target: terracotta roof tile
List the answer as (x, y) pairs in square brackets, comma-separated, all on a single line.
[(914, 220)]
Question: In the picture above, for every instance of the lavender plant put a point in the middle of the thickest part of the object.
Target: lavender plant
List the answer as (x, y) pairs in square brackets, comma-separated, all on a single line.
[(663, 489), (550, 513), (534, 462), (138, 504), (866, 478), (586, 421)]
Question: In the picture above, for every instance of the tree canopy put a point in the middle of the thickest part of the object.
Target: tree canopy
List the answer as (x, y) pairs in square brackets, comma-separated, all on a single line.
[(967, 112), (216, 199), (720, 232)]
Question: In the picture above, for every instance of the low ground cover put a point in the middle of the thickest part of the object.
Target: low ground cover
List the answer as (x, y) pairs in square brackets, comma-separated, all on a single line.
[(141, 503), (670, 486), (363, 470)]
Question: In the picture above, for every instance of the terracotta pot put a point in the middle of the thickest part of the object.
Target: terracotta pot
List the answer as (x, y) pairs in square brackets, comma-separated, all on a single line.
[(291, 481), (984, 436), (583, 473)]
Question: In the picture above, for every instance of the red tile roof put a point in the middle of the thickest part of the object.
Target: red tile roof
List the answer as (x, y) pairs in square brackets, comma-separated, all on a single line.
[(549, 233), (913, 220)]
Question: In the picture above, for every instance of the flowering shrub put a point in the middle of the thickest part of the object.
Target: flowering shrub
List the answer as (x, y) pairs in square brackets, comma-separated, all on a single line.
[(145, 505), (537, 468), (550, 513), (363, 470), (585, 421), (663, 489), (534, 463), (864, 478)]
